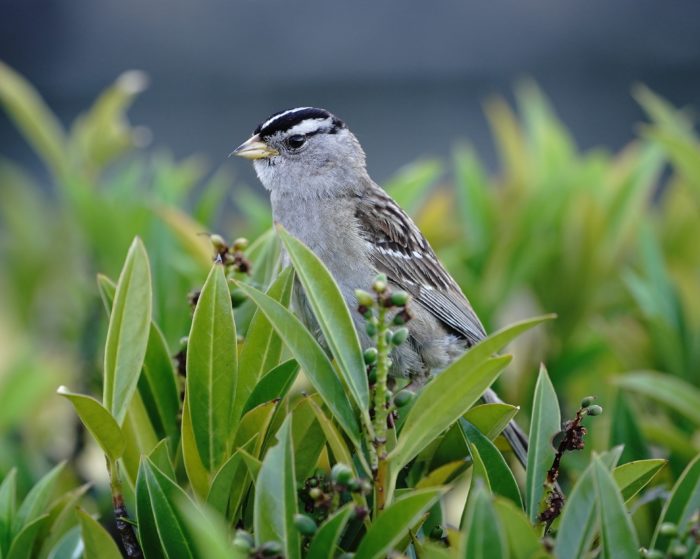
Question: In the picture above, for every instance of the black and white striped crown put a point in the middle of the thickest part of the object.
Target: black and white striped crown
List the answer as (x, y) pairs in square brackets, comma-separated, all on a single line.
[(302, 120)]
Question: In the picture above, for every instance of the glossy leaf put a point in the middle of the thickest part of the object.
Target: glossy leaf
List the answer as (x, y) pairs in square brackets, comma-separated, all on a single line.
[(276, 496), (127, 336), (37, 500), (483, 536), (210, 534), (393, 524), (158, 516), (98, 543), (262, 349), (23, 542), (313, 360), (618, 537), (523, 541), (333, 317), (230, 482), (453, 391), (8, 505), (274, 385), (160, 457), (682, 504), (211, 370), (325, 542), (545, 424), (499, 479), (196, 472), (255, 424), (632, 477), (443, 401), (99, 422), (491, 419)]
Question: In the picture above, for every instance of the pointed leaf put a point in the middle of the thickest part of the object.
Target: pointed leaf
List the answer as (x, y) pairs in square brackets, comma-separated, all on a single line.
[(98, 543), (313, 360), (99, 422), (545, 424), (483, 536), (618, 538), (333, 316), (325, 542), (276, 496), (37, 500), (262, 348), (196, 472), (632, 477), (127, 336), (392, 525), (523, 541), (274, 385), (8, 505), (23, 543), (500, 480), (211, 369)]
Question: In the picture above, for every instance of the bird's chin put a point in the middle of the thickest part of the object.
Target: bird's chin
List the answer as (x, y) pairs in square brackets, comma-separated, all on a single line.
[(265, 169)]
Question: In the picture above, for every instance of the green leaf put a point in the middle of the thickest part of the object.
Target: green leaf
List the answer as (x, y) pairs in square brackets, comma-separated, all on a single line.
[(127, 336), (274, 385), (99, 422), (160, 456), (98, 543), (211, 370), (671, 391), (523, 541), (333, 317), (69, 545), (443, 401), (632, 477), (211, 536), (23, 543), (393, 524), (482, 533), (230, 482), (140, 437), (108, 290), (453, 392), (35, 120), (499, 479), (491, 419), (37, 500), (618, 538), (683, 503), (307, 439), (255, 424), (158, 386), (8, 506), (262, 348), (545, 424), (276, 496), (577, 527), (624, 430), (313, 360), (158, 517), (325, 542), (61, 518), (196, 472), (340, 450)]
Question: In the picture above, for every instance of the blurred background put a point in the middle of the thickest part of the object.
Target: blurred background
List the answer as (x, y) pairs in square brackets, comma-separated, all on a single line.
[(547, 149)]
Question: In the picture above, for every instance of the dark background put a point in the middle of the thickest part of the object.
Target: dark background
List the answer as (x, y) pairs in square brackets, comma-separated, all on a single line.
[(409, 77)]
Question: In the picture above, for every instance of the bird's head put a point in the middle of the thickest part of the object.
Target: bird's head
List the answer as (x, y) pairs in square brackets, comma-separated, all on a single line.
[(305, 151)]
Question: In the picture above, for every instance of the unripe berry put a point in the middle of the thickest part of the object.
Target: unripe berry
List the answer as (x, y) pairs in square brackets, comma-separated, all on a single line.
[(399, 298), (380, 283), (271, 548), (240, 244), (372, 375), (594, 410), (399, 336), (370, 355), (371, 328), (341, 474), (403, 398), (315, 493), (668, 529), (587, 401), (305, 524), (218, 243), (363, 298)]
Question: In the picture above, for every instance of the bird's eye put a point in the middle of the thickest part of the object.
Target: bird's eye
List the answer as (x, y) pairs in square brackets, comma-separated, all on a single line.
[(296, 141)]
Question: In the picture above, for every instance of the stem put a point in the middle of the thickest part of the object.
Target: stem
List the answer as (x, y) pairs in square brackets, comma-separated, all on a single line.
[(121, 516), (381, 411)]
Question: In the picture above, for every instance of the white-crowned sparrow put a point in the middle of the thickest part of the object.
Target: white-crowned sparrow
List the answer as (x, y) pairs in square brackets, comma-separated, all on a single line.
[(314, 168)]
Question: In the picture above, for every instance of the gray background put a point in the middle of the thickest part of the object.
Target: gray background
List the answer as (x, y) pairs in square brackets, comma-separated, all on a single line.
[(409, 77)]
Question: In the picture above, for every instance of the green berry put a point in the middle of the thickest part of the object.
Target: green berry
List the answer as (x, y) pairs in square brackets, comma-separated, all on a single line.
[(653, 554), (399, 336), (341, 474), (668, 529), (315, 493), (679, 550), (218, 242), (243, 541), (240, 244), (389, 395), (403, 398), (399, 298), (587, 401), (387, 336), (594, 410), (305, 524), (363, 298), (372, 375), (370, 355), (371, 328), (380, 283)]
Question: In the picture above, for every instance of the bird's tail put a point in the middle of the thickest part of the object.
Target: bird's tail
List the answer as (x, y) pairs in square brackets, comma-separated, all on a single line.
[(515, 436)]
